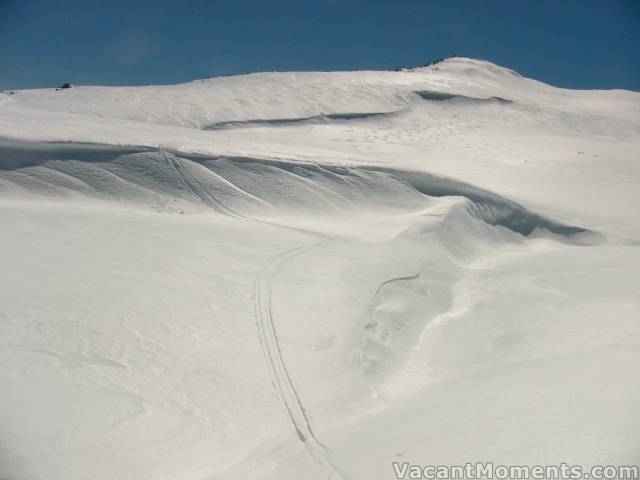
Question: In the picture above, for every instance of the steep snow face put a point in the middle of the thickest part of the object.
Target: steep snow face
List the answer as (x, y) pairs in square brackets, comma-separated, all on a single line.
[(288, 275)]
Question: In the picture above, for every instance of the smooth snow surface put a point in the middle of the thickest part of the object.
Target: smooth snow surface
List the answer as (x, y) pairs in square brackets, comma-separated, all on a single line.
[(313, 275)]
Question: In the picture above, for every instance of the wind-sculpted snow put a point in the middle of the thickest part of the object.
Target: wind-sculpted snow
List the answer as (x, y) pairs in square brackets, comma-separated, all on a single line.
[(315, 120), (442, 97), (312, 275), (242, 186)]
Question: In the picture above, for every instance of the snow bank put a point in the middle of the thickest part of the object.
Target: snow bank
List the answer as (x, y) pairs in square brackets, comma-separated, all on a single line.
[(280, 275)]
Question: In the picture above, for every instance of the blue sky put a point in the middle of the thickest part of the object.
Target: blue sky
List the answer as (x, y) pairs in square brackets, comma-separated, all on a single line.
[(569, 43)]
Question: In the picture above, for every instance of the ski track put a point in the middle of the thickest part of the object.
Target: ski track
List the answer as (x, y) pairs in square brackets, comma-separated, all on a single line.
[(194, 186), (280, 377)]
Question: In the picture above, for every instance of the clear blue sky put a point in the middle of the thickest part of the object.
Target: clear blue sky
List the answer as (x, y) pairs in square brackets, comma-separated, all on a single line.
[(569, 43)]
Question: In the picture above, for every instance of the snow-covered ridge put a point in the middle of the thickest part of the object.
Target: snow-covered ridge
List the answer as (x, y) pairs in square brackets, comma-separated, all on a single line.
[(240, 186), (477, 112), (272, 96), (311, 275)]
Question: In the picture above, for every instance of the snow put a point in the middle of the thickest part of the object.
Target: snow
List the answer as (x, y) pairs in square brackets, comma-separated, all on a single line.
[(313, 275)]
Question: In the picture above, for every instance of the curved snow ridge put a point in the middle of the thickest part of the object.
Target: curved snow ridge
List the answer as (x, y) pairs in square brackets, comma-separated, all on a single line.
[(301, 96), (239, 98), (166, 181), (242, 186), (429, 96), (333, 118), (312, 120), (492, 208), (464, 99)]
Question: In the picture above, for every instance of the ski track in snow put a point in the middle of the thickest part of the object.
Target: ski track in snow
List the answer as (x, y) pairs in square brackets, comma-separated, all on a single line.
[(194, 186), (267, 333), (281, 380), (280, 377)]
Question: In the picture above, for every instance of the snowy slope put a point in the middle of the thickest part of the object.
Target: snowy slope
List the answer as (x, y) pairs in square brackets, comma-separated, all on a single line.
[(312, 275)]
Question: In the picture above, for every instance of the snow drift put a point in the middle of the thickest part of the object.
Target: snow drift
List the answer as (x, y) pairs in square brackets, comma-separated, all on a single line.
[(317, 274)]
